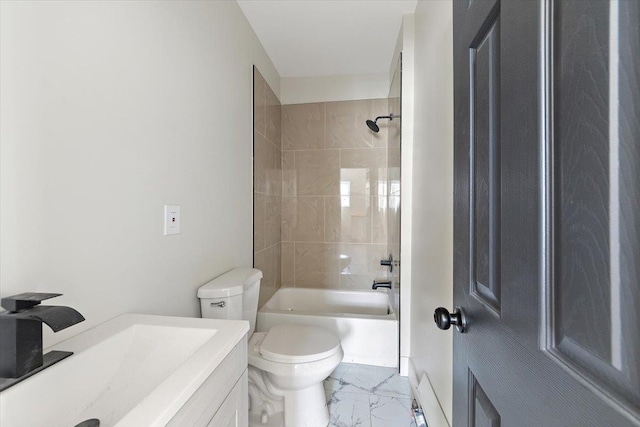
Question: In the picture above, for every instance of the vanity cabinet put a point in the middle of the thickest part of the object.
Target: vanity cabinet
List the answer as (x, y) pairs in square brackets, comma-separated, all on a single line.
[(223, 399), (234, 410)]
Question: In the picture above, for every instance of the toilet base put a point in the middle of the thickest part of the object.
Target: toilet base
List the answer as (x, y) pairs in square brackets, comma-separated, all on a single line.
[(310, 414), (273, 407), (273, 420), (306, 408)]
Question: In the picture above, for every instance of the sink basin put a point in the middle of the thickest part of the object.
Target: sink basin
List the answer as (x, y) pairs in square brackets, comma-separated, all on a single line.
[(134, 370)]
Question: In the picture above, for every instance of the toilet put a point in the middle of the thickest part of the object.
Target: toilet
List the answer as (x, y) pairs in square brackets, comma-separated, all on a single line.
[(287, 364)]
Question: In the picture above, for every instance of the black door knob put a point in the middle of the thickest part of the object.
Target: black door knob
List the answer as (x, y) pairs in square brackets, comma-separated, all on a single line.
[(444, 319)]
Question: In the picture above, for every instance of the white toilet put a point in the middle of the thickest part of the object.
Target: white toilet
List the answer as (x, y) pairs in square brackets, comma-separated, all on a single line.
[(286, 365)]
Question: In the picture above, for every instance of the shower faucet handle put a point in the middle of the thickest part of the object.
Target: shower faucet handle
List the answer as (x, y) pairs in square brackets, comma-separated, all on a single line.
[(388, 263)]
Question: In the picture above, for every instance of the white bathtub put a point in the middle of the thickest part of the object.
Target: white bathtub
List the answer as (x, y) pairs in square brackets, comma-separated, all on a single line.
[(364, 320)]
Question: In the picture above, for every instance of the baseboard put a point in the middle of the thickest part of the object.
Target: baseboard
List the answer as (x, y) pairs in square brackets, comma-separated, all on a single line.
[(426, 397), (413, 378)]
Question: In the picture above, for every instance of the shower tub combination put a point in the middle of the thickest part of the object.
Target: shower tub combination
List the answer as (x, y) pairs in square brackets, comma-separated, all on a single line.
[(364, 320)]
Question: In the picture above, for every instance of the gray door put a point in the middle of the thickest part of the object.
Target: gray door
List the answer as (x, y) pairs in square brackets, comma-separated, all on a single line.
[(547, 212)]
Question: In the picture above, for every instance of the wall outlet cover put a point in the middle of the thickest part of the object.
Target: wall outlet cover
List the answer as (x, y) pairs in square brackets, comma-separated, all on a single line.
[(171, 219)]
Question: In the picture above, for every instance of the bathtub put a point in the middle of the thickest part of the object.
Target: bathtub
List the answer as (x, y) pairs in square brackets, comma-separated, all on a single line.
[(364, 320)]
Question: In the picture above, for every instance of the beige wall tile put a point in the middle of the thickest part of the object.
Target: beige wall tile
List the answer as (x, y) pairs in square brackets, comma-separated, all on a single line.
[(393, 160), (289, 188), (303, 219), (346, 127), (259, 230), (393, 210), (288, 160), (273, 118), (393, 225), (277, 265), (267, 167), (263, 161), (348, 223), (393, 131), (317, 265), (317, 172), (305, 227), (364, 265), (364, 168), (355, 181), (395, 275), (267, 184), (381, 108), (273, 220), (365, 258), (303, 126), (370, 158), (265, 295), (263, 261), (379, 219), (288, 266), (274, 174), (259, 102), (358, 282), (333, 219)]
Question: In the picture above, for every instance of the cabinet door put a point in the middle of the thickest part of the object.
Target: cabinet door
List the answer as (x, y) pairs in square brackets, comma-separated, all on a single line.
[(234, 411), (208, 399)]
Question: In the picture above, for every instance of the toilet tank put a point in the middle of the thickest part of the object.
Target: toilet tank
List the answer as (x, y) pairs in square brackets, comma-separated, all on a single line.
[(233, 296), (222, 307)]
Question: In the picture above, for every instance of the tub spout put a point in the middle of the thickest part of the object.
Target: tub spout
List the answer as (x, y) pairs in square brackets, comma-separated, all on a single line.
[(381, 284)]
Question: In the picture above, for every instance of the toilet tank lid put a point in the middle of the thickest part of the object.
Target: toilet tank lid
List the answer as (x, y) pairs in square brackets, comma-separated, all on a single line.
[(231, 283)]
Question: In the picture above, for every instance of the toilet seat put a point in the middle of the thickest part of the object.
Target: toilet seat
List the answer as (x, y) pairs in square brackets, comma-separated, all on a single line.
[(298, 344), (292, 361)]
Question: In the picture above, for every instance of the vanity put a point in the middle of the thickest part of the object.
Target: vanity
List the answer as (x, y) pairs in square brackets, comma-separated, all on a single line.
[(139, 370)]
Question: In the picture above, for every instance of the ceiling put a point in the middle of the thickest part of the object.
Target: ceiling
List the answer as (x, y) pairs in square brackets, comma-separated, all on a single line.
[(308, 38)]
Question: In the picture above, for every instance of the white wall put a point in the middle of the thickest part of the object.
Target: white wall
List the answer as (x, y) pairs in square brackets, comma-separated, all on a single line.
[(110, 110), (432, 202), (302, 90)]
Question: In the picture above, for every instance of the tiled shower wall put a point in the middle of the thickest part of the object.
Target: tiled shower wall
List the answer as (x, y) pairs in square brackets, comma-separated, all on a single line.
[(393, 181), (334, 194), (267, 186)]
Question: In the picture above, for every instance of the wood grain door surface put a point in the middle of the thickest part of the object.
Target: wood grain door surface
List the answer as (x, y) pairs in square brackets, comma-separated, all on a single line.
[(547, 212)]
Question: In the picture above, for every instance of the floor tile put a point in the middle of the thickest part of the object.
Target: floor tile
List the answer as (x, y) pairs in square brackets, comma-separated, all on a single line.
[(390, 411), (333, 381), (348, 409), (369, 379), (368, 396)]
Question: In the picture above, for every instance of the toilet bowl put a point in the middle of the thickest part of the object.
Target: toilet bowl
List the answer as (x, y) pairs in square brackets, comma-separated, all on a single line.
[(287, 364)]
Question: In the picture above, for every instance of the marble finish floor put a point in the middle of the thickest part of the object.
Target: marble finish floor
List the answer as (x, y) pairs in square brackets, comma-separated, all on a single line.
[(368, 396)]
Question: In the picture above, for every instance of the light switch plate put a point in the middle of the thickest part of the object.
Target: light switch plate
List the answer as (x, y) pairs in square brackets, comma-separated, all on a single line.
[(171, 219)]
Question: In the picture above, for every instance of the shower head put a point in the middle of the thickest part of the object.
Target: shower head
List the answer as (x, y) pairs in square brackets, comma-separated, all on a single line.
[(373, 124)]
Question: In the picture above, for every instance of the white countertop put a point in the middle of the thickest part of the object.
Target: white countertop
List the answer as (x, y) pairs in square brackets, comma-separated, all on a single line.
[(134, 370)]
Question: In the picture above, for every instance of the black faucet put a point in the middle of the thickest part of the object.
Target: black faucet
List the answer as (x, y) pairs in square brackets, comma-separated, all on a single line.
[(381, 284), (21, 335)]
